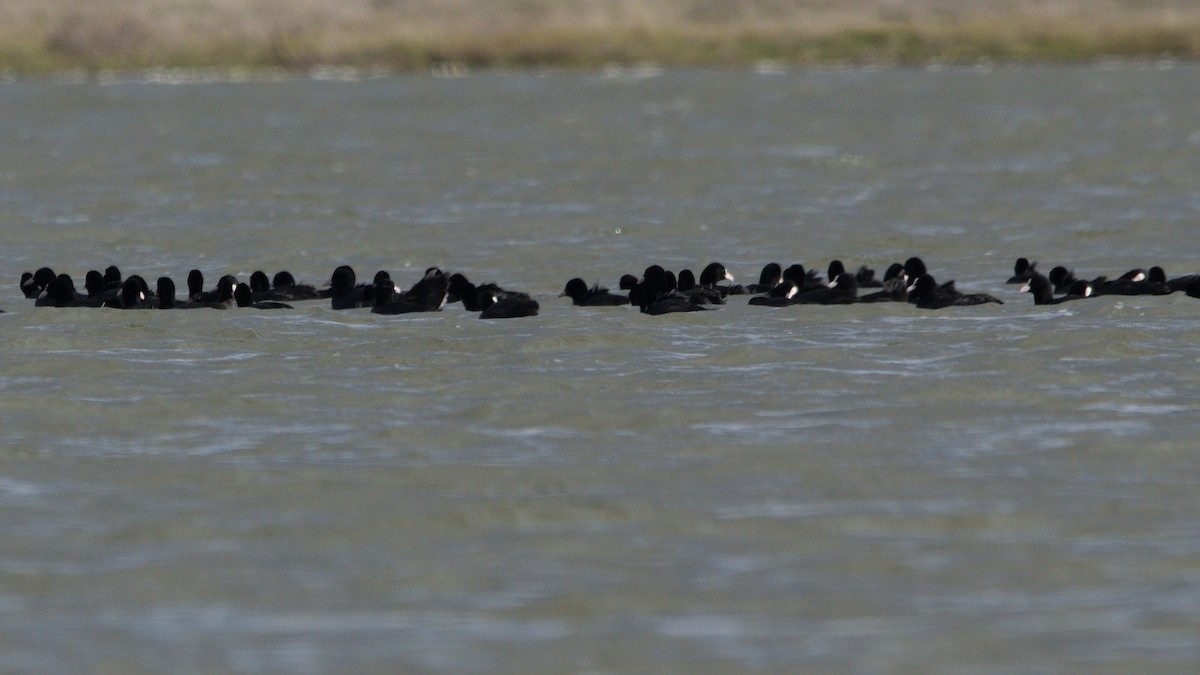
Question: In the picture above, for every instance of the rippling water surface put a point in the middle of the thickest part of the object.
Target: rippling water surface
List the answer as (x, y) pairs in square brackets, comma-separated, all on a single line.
[(874, 488)]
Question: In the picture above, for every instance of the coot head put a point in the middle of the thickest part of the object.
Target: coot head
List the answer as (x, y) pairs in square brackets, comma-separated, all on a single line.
[(259, 283), (1041, 289), (28, 288), (771, 275), (576, 289), (459, 287), (141, 283), (343, 279), (429, 293), (656, 280), (795, 273), (61, 291), (894, 271), (1023, 271), (283, 279), (914, 267), (43, 276), (243, 295), (385, 291), (195, 282), (714, 273), (133, 292), (687, 280), (166, 293), (836, 268), (924, 288), (1060, 274), (112, 277), (93, 283), (33, 285)]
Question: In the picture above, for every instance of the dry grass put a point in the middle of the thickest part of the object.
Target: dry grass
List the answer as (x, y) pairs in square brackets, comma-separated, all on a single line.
[(49, 35)]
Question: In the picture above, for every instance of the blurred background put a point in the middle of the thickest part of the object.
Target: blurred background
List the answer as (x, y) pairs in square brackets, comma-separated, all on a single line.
[(40, 36)]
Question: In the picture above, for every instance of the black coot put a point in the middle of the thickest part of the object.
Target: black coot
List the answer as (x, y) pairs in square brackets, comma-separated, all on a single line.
[(596, 296)]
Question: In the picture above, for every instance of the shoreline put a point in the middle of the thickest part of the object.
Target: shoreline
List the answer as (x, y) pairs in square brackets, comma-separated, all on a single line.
[(53, 37), (333, 73)]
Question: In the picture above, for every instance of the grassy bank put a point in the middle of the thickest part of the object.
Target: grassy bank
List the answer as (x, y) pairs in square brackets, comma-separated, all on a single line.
[(44, 36)]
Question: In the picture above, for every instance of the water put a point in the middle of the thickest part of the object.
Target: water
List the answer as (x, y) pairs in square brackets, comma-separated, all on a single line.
[(1004, 488)]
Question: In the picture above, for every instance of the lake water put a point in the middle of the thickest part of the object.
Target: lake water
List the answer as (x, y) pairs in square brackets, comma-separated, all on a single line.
[(872, 488)]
